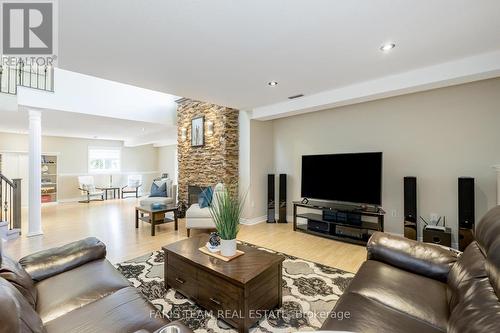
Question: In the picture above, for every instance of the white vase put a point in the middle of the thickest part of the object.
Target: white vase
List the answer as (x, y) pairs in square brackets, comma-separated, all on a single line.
[(228, 247)]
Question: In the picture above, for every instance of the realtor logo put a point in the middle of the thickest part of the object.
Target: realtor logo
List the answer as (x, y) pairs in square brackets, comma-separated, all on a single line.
[(27, 28)]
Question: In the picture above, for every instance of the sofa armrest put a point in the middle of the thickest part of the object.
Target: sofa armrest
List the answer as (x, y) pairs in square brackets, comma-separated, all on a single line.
[(47, 263), (430, 260)]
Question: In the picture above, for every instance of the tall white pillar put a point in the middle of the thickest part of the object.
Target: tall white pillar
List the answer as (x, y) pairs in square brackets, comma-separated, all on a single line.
[(35, 174), (497, 168)]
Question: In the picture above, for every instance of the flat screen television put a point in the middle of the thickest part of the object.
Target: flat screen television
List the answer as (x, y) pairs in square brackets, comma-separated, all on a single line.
[(353, 178)]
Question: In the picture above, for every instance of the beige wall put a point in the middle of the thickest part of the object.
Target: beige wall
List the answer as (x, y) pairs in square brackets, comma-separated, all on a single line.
[(167, 160), (437, 136), (261, 164), (256, 162), (73, 160)]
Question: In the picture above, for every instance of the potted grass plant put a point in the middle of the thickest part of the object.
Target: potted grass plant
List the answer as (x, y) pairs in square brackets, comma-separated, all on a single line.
[(226, 209)]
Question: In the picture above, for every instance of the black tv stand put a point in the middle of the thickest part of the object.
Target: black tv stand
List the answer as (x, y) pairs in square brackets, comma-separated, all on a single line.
[(339, 221)]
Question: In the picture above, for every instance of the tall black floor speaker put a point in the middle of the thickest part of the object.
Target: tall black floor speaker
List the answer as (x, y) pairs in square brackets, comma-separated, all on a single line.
[(466, 212), (271, 210), (410, 207), (282, 199)]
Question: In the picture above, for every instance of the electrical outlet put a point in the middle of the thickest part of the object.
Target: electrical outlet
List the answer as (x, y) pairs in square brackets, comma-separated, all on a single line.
[(394, 213)]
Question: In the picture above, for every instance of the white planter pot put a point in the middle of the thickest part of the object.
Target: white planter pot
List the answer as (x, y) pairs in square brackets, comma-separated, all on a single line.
[(228, 247)]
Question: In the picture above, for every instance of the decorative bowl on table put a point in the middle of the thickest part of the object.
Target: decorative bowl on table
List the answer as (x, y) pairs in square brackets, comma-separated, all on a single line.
[(158, 205)]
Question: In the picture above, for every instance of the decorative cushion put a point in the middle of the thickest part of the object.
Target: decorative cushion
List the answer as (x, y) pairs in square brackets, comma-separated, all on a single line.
[(160, 182), (16, 314), (158, 191), (205, 197), (89, 187), (14, 273), (218, 191)]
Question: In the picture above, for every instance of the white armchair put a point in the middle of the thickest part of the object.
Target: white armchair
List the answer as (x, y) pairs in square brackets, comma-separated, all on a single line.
[(87, 189), (200, 218), (134, 182), (171, 194)]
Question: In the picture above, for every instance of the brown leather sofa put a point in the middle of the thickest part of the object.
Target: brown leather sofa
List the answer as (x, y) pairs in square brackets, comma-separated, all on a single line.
[(408, 286), (72, 288)]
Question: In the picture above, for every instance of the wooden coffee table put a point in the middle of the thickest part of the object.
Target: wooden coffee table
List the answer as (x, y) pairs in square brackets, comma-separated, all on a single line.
[(156, 216), (240, 292)]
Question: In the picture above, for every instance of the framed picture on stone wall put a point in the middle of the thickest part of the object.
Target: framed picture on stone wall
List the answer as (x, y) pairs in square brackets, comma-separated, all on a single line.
[(197, 132)]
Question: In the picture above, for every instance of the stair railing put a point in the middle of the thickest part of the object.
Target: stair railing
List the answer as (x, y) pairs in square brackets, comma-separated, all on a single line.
[(25, 75), (10, 202)]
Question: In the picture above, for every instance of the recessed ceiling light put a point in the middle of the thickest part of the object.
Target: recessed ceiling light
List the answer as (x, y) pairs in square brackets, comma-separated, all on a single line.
[(272, 83), (387, 46)]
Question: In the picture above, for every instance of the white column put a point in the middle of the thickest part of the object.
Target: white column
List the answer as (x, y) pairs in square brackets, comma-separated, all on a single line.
[(497, 168), (35, 174)]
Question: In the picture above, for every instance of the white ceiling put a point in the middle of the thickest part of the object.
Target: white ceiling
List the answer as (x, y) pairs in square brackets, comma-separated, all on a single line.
[(75, 92), (78, 125), (226, 51), (88, 107)]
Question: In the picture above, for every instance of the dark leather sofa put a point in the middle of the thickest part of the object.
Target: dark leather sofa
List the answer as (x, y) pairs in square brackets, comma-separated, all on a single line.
[(72, 288), (408, 286)]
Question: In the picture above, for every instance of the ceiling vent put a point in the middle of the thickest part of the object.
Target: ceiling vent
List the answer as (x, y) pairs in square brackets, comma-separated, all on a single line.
[(296, 96)]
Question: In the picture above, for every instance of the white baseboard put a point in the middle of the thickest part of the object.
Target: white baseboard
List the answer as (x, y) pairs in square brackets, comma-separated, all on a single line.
[(289, 218), (255, 220)]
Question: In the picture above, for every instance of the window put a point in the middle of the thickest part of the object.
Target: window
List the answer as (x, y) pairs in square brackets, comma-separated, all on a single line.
[(104, 160)]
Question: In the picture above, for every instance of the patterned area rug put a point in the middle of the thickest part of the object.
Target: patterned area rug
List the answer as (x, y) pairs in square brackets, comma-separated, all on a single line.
[(310, 291)]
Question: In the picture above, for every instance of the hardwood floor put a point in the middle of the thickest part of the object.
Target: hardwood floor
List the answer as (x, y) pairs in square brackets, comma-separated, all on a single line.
[(112, 222)]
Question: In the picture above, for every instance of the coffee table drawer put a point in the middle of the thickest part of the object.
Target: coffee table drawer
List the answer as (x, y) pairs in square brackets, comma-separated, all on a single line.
[(212, 297), (217, 293), (182, 281), (181, 266)]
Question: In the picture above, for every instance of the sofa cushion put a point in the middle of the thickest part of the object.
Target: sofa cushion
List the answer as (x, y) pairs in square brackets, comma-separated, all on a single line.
[(123, 311), (75, 288), (478, 309), (16, 314), (488, 240), (14, 273), (470, 267), (357, 313), (194, 211), (419, 297)]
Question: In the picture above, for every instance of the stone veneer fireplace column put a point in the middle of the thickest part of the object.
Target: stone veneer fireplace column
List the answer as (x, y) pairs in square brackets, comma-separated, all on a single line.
[(217, 160)]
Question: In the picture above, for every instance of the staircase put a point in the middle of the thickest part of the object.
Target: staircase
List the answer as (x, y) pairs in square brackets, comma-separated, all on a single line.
[(10, 208), (25, 75)]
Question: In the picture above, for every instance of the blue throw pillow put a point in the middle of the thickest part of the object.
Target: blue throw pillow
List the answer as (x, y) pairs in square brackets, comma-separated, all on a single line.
[(158, 191), (205, 197)]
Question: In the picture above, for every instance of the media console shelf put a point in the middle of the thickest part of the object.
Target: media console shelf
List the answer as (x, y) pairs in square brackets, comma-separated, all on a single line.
[(337, 221)]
